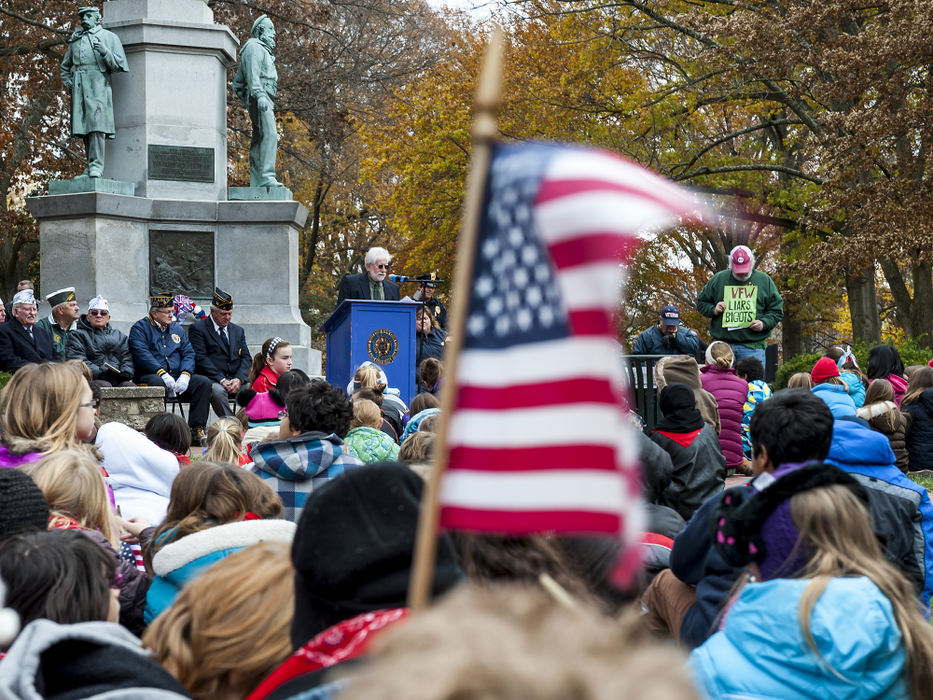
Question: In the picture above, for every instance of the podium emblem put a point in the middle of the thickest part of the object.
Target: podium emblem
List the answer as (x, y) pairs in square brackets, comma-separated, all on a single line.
[(382, 346)]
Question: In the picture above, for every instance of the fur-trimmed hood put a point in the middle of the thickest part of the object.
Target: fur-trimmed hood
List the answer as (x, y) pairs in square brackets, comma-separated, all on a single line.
[(242, 533), (876, 409), (94, 660)]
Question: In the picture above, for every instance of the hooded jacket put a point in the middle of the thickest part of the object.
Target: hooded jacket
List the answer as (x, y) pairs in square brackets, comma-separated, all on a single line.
[(181, 561), (141, 472), (656, 472), (684, 369), (855, 386), (699, 469), (837, 398), (296, 466), (920, 432), (901, 509), (371, 445), (95, 346), (730, 392), (762, 652), (83, 660)]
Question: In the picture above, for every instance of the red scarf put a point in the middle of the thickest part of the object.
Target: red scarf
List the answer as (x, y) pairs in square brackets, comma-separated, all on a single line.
[(682, 439), (343, 641)]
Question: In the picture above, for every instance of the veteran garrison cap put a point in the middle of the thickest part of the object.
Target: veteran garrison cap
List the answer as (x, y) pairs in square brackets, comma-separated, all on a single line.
[(24, 296), (161, 301), (60, 296), (222, 300)]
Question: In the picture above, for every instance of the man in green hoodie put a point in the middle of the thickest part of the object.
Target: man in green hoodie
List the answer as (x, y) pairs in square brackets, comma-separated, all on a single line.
[(744, 305)]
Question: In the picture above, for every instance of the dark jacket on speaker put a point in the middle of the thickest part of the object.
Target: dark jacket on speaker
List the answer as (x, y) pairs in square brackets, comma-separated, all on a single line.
[(357, 287)]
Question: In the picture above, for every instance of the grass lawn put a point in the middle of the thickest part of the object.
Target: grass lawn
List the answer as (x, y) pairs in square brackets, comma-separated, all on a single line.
[(924, 478)]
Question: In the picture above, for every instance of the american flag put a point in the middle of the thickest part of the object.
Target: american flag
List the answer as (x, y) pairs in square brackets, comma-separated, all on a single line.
[(539, 437)]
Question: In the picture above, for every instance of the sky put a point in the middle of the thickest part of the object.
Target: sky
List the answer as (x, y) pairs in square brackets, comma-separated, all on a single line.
[(480, 9)]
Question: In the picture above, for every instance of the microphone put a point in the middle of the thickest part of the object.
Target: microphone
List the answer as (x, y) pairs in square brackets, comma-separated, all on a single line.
[(399, 278)]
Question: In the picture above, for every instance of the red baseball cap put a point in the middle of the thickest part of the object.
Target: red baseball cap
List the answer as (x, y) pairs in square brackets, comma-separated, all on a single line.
[(741, 257)]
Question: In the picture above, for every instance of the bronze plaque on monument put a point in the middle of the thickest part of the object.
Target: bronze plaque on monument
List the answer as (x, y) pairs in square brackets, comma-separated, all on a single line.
[(181, 263), (181, 163)]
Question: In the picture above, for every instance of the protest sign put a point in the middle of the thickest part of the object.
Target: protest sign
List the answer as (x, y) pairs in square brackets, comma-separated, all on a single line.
[(740, 306)]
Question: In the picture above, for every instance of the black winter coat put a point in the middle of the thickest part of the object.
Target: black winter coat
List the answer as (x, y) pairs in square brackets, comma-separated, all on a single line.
[(699, 471), (95, 346), (920, 432)]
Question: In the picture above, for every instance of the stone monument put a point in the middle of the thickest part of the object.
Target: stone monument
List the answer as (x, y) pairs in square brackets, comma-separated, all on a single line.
[(92, 55), (178, 232)]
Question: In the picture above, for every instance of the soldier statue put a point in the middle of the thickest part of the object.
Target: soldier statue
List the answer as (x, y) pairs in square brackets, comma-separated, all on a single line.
[(93, 54), (256, 82)]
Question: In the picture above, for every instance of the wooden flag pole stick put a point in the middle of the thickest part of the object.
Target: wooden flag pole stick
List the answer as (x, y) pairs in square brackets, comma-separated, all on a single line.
[(483, 133)]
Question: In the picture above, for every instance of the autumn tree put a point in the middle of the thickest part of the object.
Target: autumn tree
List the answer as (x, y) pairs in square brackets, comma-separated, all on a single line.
[(337, 61), (828, 101), (35, 143)]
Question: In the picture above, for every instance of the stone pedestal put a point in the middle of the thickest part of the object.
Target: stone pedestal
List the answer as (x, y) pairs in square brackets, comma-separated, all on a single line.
[(101, 244), (83, 183), (178, 234), (170, 109), (259, 194)]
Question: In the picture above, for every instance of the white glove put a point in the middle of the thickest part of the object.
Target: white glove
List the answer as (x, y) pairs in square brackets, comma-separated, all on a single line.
[(168, 381), (181, 384)]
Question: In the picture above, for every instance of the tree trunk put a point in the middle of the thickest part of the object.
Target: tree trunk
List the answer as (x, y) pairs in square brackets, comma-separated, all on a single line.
[(863, 306), (791, 336), (921, 310)]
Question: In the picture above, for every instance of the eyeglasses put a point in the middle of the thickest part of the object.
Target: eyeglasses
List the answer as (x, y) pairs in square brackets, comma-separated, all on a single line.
[(95, 404), (382, 266), (98, 312)]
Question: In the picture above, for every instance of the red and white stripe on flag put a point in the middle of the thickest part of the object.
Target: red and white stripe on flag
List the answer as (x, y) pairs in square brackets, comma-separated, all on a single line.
[(539, 437)]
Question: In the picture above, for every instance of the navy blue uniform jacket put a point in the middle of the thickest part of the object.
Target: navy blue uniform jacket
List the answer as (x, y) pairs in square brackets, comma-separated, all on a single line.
[(158, 352)]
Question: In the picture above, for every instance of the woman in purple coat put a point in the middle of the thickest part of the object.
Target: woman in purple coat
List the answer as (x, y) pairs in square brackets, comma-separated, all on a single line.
[(730, 391)]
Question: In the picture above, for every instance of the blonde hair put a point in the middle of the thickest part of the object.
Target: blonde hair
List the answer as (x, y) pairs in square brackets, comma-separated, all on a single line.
[(417, 448), (224, 441), (835, 524), (800, 380), (40, 407), (509, 642), (74, 487), (365, 413), (369, 377), (229, 628), (720, 353)]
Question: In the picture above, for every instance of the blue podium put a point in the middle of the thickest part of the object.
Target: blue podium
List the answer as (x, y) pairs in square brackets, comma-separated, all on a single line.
[(382, 332)]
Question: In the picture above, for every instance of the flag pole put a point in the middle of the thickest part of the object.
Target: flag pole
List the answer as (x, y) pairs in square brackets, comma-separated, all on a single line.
[(483, 133)]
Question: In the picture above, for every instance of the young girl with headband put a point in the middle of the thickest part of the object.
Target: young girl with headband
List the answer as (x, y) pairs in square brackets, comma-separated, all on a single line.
[(273, 360)]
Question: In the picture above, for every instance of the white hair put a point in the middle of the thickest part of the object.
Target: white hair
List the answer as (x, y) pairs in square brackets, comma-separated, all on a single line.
[(374, 254)]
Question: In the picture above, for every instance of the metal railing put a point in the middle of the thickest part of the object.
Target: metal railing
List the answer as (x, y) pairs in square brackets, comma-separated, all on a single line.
[(640, 369)]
